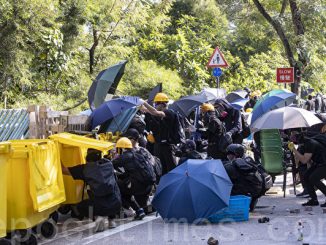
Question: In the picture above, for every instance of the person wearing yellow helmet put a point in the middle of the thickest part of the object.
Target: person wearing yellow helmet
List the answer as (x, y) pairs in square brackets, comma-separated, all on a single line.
[(136, 175), (163, 122), (205, 107), (249, 110)]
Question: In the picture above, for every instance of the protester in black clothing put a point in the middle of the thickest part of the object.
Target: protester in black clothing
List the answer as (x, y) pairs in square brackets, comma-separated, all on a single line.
[(134, 186), (188, 151), (160, 120), (231, 119), (314, 152), (101, 202), (217, 142), (309, 105), (138, 123)]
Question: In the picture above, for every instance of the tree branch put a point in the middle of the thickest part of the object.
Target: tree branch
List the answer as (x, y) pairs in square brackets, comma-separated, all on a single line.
[(284, 4), (76, 105), (278, 28)]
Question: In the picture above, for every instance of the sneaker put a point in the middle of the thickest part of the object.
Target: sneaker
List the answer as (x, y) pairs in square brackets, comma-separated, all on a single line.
[(311, 202), (140, 214), (112, 224), (303, 194), (323, 205), (99, 224)]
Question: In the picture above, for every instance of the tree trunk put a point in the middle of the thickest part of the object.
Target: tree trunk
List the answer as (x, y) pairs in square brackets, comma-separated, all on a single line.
[(302, 58), (92, 51), (286, 44)]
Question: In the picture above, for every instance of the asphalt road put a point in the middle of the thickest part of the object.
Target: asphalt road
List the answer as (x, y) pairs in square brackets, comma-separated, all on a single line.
[(281, 229)]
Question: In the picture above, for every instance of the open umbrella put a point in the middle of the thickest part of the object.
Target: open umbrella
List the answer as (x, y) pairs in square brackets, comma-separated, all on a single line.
[(270, 94), (272, 102), (112, 108), (284, 118), (192, 191), (239, 103), (212, 94), (236, 95), (187, 104), (153, 92), (105, 82)]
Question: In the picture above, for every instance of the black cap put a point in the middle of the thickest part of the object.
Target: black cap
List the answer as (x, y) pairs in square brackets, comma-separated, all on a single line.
[(132, 134)]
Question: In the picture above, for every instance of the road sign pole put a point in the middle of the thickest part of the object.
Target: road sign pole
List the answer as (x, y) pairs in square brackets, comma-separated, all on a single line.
[(218, 82)]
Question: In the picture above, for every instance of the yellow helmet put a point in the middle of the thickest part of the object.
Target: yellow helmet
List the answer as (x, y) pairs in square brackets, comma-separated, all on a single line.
[(207, 107), (161, 97), (249, 110), (124, 142)]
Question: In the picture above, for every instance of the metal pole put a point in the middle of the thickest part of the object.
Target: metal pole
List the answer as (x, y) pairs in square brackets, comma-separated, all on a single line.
[(218, 82)]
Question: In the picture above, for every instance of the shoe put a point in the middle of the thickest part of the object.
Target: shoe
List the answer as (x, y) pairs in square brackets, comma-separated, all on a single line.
[(99, 224), (303, 194), (323, 205), (112, 224), (140, 214), (311, 202)]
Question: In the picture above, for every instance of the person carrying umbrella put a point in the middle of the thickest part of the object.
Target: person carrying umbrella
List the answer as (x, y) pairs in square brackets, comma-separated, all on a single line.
[(163, 123)]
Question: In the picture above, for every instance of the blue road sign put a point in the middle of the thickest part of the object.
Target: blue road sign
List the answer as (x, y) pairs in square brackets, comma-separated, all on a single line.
[(217, 72)]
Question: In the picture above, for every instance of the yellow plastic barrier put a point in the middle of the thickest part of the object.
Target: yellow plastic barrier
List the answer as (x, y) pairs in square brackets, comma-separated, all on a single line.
[(73, 150), (5, 149), (35, 186)]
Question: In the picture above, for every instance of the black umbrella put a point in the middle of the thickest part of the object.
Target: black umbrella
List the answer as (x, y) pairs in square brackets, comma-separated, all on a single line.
[(236, 95), (106, 82), (154, 91), (187, 104)]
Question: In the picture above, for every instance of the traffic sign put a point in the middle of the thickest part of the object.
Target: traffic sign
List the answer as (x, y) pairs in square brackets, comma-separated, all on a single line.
[(217, 59), (285, 75), (217, 72)]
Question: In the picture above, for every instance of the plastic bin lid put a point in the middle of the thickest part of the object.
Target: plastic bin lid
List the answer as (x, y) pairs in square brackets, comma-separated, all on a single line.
[(82, 141)]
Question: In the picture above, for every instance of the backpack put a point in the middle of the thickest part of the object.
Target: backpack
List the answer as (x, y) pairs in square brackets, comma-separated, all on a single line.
[(267, 179), (144, 167), (249, 177), (177, 134), (154, 160), (100, 177), (245, 127)]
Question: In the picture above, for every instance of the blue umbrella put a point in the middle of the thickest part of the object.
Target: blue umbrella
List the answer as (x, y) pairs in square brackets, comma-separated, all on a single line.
[(239, 103), (272, 102), (112, 108), (185, 105), (193, 191)]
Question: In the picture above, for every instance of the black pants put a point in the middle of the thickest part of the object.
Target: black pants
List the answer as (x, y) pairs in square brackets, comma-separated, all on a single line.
[(135, 197), (302, 169), (313, 177), (165, 153), (213, 152), (90, 208)]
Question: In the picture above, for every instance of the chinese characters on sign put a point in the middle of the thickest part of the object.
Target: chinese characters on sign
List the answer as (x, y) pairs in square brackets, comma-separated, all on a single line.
[(285, 75)]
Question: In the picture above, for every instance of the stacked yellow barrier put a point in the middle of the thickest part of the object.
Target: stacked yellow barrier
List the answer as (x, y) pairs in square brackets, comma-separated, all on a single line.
[(35, 186), (5, 150), (73, 150)]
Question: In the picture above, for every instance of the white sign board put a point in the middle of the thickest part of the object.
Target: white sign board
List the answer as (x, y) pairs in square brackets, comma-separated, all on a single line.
[(217, 59)]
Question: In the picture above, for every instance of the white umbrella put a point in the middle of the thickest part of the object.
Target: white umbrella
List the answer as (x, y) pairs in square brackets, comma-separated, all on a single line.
[(284, 118)]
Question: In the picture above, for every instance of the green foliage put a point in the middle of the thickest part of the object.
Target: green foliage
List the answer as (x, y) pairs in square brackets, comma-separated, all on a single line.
[(45, 48)]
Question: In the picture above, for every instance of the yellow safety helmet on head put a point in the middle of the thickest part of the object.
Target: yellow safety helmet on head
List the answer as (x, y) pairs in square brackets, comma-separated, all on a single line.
[(161, 97), (207, 107), (249, 110), (124, 142)]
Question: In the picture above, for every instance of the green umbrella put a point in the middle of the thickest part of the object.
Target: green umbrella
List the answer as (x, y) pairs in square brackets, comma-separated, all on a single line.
[(106, 82), (269, 94)]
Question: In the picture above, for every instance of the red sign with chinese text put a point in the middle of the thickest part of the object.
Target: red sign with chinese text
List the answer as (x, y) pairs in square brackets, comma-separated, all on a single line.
[(285, 75)]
